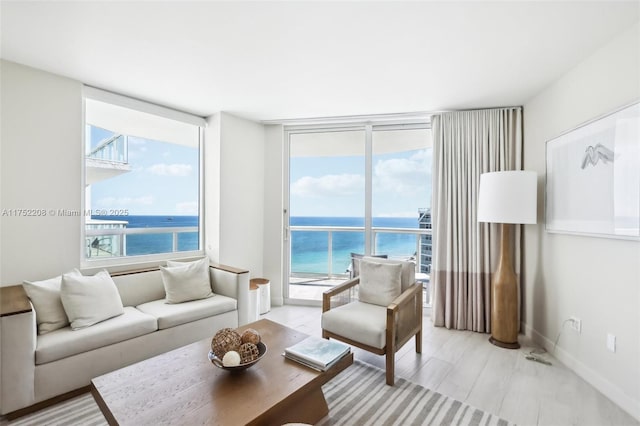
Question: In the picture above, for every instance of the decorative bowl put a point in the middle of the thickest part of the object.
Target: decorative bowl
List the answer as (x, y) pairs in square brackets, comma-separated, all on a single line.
[(262, 350)]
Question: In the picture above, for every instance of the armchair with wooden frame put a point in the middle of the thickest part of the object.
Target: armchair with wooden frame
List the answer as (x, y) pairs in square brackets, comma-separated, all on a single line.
[(373, 315)]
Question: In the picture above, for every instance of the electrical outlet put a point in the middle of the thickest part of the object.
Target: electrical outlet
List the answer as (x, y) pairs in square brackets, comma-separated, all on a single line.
[(611, 342), (576, 324)]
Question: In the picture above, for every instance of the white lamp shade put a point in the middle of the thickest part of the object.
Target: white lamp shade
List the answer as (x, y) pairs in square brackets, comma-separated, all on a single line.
[(508, 197)]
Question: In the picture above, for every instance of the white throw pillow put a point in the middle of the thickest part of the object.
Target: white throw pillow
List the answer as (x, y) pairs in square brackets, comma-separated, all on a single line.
[(45, 297), (88, 300), (379, 282), (185, 281)]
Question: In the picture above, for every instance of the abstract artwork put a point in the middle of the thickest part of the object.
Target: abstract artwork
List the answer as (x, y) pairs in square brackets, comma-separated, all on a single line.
[(593, 177)]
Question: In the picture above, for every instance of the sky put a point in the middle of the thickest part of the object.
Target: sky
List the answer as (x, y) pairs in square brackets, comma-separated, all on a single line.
[(334, 186), (163, 181)]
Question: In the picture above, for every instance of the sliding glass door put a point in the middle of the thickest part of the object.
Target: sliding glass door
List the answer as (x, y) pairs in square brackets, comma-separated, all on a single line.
[(360, 189)]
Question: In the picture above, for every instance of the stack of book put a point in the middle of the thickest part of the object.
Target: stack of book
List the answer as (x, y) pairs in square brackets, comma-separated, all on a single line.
[(317, 353)]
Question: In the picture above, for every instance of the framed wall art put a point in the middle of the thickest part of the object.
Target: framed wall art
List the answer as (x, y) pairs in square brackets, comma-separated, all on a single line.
[(593, 177)]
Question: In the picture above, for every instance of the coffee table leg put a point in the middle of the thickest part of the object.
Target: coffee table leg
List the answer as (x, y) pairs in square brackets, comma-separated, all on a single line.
[(308, 408), (313, 408)]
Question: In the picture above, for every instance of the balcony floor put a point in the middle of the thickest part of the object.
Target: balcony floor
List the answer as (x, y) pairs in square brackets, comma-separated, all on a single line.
[(306, 288), (311, 288)]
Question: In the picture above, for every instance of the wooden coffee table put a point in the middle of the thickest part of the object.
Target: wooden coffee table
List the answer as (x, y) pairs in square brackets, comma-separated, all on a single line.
[(183, 387)]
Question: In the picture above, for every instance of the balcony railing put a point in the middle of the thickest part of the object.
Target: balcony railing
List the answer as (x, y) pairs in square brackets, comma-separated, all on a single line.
[(333, 268), (113, 242), (114, 149)]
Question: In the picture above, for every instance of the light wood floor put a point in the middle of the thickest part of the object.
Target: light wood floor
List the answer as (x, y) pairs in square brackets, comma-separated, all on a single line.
[(465, 366)]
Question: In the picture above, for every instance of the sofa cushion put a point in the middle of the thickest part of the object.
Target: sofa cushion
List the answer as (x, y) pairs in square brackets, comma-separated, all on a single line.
[(88, 300), (65, 342), (45, 297), (358, 321), (171, 315), (139, 287), (186, 281)]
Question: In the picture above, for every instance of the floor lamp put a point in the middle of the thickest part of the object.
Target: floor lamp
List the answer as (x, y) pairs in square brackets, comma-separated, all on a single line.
[(507, 198)]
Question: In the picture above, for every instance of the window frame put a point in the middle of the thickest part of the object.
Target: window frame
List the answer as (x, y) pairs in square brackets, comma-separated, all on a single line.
[(368, 124), (161, 111)]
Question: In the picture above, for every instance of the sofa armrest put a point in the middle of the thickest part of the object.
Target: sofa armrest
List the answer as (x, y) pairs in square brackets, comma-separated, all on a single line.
[(18, 334), (232, 282)]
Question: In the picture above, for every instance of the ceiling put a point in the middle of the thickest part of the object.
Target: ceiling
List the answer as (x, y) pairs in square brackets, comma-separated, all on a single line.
[(284, 60)]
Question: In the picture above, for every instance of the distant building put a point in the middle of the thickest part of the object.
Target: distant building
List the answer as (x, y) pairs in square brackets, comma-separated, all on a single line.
[(424, 221)]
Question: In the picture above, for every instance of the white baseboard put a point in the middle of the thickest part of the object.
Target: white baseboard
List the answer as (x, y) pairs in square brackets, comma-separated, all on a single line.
[(603, 385)]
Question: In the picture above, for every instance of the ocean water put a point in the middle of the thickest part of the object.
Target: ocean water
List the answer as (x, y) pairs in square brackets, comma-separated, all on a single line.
[(157, 243), (309, 249)]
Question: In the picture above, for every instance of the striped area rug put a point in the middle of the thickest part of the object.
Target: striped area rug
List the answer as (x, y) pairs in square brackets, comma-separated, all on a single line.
[(360, 396), (357, 396)]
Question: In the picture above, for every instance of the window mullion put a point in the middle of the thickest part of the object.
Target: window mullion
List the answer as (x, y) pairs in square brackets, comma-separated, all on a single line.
[(368, 189)]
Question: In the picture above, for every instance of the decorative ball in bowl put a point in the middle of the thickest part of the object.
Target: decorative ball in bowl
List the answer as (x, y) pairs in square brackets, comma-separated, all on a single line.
[(262, 349), (236, 351)]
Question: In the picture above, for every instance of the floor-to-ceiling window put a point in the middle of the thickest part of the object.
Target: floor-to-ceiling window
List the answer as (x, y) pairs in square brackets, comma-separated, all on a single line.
[(364, 189)]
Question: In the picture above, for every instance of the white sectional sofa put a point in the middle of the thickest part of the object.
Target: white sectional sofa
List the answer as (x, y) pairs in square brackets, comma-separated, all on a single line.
[(37, 367)]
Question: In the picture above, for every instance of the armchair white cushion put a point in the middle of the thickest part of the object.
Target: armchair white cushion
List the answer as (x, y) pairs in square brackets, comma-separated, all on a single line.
[(357, 321), (379, 282), (408, 275)]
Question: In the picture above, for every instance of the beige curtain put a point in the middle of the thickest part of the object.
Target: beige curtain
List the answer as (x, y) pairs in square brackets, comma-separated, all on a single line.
[(465, 145)]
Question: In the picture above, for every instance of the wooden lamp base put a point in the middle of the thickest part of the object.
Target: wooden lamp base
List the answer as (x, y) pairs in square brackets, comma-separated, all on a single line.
[(504, 297), (505, 345)]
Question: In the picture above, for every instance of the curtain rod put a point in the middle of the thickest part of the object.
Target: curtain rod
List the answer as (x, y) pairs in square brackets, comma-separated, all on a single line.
[(380, 118)]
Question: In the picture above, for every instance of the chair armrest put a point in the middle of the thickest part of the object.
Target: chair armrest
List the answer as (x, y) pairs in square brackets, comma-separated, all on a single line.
[(406, 297), (337, 290), (404, 315)]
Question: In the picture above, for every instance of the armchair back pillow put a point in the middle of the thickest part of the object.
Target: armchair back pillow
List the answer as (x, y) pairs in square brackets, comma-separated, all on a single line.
[(379, 282), (408, 275)]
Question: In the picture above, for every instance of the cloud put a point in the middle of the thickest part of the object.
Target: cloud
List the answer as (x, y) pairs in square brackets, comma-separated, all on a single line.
[(188, 207), (126, 202), (162, 169), (328, 185), (403, 175)]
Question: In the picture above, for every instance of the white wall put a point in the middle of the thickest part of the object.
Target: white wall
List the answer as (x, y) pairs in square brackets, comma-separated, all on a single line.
[(41, 166), (212, 188), (594, 279), (41, 161), (242, 153), (273, 214)]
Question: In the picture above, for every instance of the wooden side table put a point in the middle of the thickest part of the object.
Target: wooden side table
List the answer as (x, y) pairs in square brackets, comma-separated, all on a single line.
[(13, 301)]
